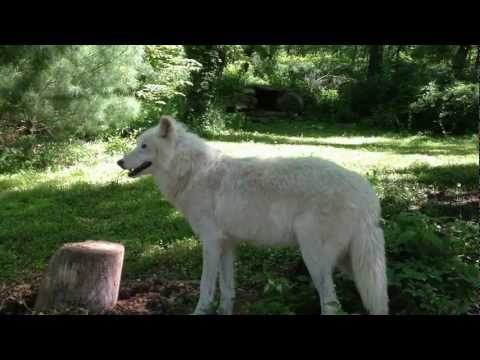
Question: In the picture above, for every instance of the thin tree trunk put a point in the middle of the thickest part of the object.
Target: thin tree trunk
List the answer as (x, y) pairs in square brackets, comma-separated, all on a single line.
[(477, 61), (354, 55), (399, 50), (460, 60), (375, 61)]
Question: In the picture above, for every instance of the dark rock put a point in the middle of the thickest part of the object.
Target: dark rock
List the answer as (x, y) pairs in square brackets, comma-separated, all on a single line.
[(291, 103)]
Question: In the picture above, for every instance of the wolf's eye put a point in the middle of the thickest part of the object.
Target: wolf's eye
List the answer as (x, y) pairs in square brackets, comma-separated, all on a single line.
[(144, 146)]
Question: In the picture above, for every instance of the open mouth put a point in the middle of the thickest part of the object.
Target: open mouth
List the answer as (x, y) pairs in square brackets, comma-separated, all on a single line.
[(139, 169)]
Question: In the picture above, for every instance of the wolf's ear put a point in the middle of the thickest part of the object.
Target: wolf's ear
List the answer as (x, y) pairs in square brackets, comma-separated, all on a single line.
[(166, 126)]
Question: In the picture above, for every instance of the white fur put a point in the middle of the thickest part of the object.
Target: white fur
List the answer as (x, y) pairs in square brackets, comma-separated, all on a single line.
[(331, 213)]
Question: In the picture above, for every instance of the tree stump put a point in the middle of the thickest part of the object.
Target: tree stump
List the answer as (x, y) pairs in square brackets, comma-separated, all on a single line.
[(82, 275)]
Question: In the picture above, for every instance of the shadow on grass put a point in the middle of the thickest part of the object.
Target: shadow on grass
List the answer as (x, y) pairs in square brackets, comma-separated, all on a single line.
[(6, 184), (316, 134), (35, 223), (447, 176)]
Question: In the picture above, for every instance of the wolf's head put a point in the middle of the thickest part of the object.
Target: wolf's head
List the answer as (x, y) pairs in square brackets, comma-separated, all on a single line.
[(155, 149)]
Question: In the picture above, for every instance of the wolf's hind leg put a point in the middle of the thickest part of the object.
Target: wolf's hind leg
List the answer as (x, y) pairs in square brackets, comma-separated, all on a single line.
[(320, 251)]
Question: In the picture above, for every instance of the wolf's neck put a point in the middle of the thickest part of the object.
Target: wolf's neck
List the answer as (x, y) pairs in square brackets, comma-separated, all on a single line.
[(192, 156)]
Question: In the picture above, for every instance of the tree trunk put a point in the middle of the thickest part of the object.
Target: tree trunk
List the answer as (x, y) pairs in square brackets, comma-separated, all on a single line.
[(477, 69), (460, 60), (354, 55), (399, 50), (477, 61), (375, 61), (82, 275)]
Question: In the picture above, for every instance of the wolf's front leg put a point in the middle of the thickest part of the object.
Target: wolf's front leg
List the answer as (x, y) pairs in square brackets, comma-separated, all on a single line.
[(227, 284), (211, 259)]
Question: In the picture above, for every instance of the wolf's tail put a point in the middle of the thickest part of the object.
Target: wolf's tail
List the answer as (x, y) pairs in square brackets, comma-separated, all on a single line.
[(369, 268)]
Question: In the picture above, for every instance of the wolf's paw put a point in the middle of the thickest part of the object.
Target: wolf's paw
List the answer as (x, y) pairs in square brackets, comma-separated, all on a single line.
[(224, 311), (333, 308), (203, 311)]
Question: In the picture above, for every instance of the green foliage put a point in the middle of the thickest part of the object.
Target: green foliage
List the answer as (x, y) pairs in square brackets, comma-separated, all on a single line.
[(200, 95), (384, 99), (450, 109), (95, 91), (332, 80), (116, 144), (262, 58), (29, 153), (168, 79), (217, 121), (235, 80), (426, 274), (62, 90)]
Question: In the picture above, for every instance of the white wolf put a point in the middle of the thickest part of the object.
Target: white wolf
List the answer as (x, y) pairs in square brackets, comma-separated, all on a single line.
[(331, 213)]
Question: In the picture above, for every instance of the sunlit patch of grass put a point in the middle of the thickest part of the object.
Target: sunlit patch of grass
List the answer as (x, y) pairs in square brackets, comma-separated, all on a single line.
[(96, 167), (360, 160)]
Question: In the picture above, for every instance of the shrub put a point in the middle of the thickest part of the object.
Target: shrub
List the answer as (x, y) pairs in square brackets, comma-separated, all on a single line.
[(425, 270), (385, 98), (30, 153), (449, 109)]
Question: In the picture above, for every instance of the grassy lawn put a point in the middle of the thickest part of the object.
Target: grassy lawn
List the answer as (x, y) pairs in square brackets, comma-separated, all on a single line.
[(91, 198)]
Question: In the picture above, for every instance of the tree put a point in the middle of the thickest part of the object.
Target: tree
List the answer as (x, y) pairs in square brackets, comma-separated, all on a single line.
[(460, 60), (375, 61), (64, 90), (167, 79), (199, 97)]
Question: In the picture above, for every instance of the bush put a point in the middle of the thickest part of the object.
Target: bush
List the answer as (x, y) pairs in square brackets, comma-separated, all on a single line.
[(234, 80), (30, 153), (384, 99), (362, 97), (425, 270), (316, 78), (449, 109), (217, 121), (384, 117)]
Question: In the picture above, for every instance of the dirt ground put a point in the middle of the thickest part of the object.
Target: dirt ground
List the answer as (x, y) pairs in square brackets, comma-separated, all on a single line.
[(148, 296), (464, 205)]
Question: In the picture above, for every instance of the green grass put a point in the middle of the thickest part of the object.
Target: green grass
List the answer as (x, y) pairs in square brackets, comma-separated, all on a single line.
[(91, 198)]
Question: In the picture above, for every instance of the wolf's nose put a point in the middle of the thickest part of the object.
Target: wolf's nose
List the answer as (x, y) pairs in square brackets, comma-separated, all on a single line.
[(120, 163)]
